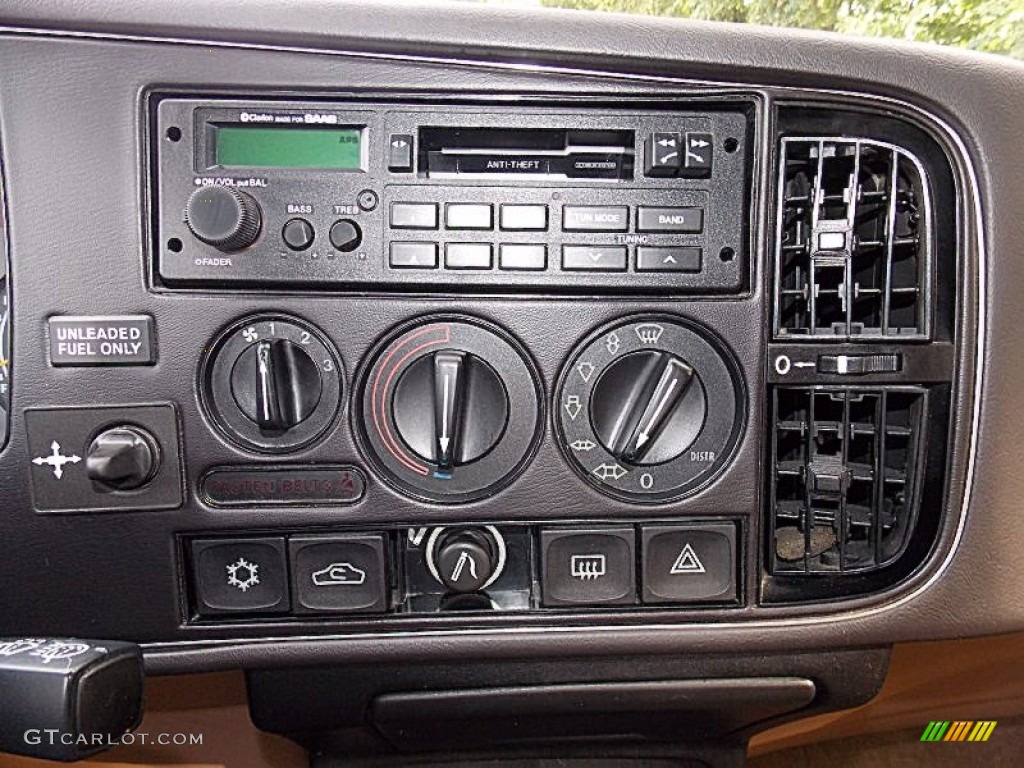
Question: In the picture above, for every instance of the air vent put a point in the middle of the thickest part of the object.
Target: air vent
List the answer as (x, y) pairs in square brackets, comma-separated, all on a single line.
[(853, 241), (845, 470)]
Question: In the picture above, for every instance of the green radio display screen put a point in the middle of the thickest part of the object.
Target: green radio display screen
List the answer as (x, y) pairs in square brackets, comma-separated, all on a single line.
[(253, 146)]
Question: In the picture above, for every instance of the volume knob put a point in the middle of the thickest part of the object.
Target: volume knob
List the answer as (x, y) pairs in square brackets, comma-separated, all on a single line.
[(223, 217)]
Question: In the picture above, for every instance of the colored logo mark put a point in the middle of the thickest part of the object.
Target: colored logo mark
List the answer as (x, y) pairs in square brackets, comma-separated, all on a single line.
[(958, 730)]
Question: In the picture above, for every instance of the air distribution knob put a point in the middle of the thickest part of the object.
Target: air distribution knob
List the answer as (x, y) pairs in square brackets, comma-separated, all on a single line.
[(450, 407), (122, 458), (223, 217), (635, 400), (648, 408), (276, 384)]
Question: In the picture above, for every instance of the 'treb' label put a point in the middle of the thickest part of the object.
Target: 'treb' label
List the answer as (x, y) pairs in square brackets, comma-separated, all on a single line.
[(116, 340)]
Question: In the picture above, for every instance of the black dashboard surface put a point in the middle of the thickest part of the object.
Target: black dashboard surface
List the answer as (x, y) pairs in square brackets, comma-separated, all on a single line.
[(76, 89)]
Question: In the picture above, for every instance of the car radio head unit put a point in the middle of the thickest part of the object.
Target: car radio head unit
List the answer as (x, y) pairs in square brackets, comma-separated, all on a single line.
[(363, 195)]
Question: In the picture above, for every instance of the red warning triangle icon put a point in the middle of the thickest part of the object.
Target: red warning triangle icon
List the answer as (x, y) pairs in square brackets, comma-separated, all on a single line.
[(687, 562)]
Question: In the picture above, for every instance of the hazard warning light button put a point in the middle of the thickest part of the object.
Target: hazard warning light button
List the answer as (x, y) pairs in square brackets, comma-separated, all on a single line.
[(693, 563)]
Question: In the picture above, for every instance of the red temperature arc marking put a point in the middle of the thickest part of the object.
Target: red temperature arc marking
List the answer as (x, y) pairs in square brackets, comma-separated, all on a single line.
[(379, 399)]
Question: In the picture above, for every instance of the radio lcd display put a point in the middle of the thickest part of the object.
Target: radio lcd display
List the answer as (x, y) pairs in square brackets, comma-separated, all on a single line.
[(249, 146)]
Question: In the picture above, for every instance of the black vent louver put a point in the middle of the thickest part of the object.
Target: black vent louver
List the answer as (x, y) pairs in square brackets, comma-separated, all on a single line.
[(853, 243), (844, 476)]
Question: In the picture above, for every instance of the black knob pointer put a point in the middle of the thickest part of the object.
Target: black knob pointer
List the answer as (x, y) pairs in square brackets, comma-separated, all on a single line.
[(276, 384), (122, 458), (450, 408), (637, 399), (223, 217)]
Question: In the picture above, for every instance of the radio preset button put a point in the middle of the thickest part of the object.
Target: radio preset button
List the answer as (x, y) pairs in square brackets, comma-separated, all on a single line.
[(414, 215), (346, 235), (594, 258), (468, 216), (413, 256), (668, 259), (533, 218), (523, 257), (669, 219), (297, 234), (400, 153), (467, 256), (595, 218)]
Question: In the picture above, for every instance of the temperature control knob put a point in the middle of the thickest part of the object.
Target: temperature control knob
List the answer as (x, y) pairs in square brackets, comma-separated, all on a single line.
[(648, 410), (272, 383), (122, 458), (450, 409), (223, 217)]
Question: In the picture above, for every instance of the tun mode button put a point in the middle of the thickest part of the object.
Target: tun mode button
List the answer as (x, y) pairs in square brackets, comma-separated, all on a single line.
[(689, 563), (588, 567), (240, 575), (338, 573), (595, 218)]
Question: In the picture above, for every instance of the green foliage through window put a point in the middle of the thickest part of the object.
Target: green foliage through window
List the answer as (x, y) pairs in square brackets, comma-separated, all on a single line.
[(995, 26)]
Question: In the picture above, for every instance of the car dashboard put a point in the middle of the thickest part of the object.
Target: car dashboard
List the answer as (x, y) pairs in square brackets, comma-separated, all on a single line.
[(490, 382)]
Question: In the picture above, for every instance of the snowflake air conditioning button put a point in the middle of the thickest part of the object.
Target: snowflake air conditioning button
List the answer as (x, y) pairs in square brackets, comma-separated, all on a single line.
[(240, 576)]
